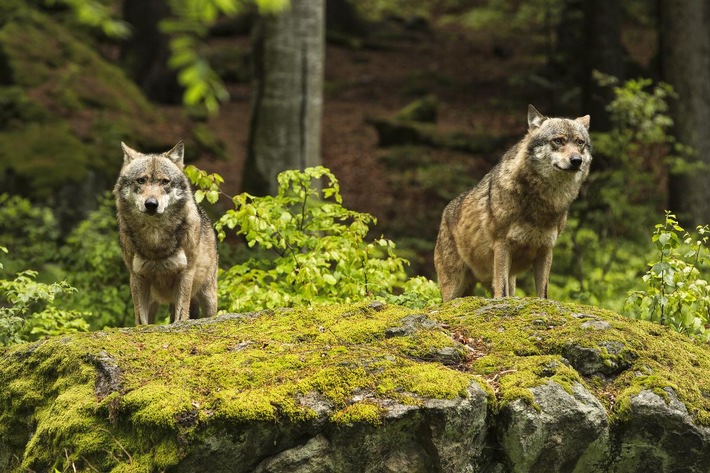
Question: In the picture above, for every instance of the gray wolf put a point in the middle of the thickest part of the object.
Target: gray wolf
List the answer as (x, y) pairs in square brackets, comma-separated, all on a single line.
[(512, 218), (167, 241)]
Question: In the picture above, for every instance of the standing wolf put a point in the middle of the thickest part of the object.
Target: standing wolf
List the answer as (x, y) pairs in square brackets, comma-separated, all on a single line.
[(167, 241), (513, 217)]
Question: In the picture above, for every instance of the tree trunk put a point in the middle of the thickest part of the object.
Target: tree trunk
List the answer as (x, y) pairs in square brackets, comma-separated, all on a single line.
[(685, 54), (289, 51), (146, 53), (604, 54)]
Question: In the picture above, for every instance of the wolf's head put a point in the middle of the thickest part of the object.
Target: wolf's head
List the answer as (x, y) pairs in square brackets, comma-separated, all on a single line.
[(153, 183), (559, 144)]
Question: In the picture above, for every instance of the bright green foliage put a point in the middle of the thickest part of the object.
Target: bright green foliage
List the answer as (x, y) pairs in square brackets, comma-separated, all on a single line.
[(96, 14), (311, 248), (208, 184), (91, 258), (27, 309), (675, 294), (642, 125)]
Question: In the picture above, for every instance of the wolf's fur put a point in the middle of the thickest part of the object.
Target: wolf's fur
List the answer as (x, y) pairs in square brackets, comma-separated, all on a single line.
[(513, 217), (167, 241)]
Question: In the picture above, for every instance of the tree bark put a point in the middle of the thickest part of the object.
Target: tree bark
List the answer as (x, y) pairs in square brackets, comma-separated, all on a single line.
[(289, 51), (685, 55), (146, 53), (604, 54)]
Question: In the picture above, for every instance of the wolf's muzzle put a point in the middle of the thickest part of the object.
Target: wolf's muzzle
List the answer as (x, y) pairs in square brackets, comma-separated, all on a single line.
[(151, 205)]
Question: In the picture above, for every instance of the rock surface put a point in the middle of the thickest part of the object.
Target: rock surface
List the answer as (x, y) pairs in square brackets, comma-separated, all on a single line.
[(535, 386)]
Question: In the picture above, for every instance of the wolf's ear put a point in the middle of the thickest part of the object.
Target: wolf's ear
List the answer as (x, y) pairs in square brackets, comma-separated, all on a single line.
[(177, 154), (535, 118), (584, 121), (129, 154)]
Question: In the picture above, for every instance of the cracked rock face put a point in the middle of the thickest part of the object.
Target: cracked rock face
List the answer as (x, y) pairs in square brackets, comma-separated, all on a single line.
[(561, 432), (607, 359), (661, 436), (441, 435)]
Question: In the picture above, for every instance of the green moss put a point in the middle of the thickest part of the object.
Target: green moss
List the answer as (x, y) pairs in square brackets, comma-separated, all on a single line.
[(521, 341), (175, 382), (66, 108), (46, 154), (366, 412)]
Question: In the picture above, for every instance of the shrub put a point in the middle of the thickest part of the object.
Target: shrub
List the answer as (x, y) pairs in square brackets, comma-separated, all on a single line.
[(27, 309), (30, 233), (91, 259), (310, 249), (675, 293)]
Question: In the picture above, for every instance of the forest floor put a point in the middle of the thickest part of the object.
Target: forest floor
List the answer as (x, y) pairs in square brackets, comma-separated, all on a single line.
[(478, 90)]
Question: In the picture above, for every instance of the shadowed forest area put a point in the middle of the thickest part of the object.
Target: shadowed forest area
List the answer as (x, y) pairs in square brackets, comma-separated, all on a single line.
[(406, 105)]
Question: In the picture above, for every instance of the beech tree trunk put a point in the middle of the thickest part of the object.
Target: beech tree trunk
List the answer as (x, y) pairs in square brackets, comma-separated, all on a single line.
[(285, 131), (685, 55)]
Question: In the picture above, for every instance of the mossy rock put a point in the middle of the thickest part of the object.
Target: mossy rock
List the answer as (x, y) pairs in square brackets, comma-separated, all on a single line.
[(65, 108), (368, 384), (421, 110)]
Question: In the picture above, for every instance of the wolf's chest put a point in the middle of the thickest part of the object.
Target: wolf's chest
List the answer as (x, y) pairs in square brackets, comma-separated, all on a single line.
[(160, 267), (524, 235)]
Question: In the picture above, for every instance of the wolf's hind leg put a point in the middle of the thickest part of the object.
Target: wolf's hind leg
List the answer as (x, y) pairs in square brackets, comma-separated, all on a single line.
[(511, 286), (454, 277), (206, 298), (194, 309)]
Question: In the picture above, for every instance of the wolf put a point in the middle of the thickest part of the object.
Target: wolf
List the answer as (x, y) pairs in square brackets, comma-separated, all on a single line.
[(512, 218), (167, 241)]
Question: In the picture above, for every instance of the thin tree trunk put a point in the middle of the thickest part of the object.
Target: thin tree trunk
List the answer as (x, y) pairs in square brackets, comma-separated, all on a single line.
[(288, 95), (685, 53)]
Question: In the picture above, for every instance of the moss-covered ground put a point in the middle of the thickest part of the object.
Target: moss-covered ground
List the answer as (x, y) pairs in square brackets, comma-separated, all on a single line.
[(134, 399)]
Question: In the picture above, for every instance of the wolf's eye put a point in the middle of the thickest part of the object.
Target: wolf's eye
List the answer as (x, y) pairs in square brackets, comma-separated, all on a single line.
[(141, 180), (558, 141), (165, 182), (580, 142)]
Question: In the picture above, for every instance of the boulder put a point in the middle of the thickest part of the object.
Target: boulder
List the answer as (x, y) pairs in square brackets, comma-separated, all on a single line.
[(360, 388)]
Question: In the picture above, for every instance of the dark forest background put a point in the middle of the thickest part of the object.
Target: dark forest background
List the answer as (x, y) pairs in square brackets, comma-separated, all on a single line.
[(408, 103)]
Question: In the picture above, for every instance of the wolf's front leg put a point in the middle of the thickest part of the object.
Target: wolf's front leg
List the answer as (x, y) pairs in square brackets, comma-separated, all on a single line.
[(501, 269), (541, 271), (183, 294), (140, 291)]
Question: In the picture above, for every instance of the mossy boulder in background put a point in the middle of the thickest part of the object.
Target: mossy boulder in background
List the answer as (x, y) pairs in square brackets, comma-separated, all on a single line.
[(65, 108), (473, 385), (424, 110)]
